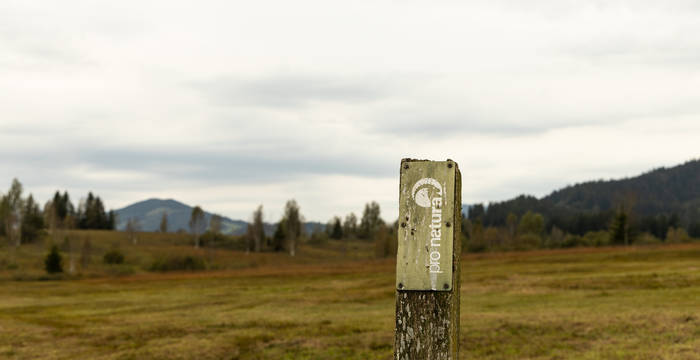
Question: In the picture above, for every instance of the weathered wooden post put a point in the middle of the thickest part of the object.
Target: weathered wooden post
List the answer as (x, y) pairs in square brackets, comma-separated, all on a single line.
[(427, 262)]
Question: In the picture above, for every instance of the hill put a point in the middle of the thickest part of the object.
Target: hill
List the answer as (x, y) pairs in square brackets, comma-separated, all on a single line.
[(149, 213), (666, 195)]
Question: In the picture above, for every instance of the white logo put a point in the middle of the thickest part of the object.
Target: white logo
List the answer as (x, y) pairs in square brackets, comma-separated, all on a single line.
[(421, 195)]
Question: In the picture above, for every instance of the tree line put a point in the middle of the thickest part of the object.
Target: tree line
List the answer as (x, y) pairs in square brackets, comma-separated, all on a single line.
[(23, 221), (371, 228), (482, 231), (522, 223), (653, 203), (290, 230)]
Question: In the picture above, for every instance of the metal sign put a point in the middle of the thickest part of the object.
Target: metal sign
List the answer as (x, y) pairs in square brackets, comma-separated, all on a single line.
[(426, 230)]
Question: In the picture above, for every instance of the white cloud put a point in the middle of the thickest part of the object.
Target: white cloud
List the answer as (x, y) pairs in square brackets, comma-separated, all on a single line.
[(232, 104)]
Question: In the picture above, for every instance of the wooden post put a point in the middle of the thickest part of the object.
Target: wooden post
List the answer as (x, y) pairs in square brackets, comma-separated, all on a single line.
[(427, 264)]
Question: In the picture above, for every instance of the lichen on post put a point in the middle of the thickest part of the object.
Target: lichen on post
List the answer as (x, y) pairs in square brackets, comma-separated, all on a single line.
[(428, 267)]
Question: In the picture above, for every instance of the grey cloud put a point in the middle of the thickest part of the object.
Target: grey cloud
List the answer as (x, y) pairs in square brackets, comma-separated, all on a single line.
[(284, 91), (438, 121), (681, 50), (415, 125), (234, 166), (509, 121), (131, 173)]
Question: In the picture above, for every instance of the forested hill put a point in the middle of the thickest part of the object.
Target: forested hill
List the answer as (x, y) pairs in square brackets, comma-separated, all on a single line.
[(659, 198), (148, 214)]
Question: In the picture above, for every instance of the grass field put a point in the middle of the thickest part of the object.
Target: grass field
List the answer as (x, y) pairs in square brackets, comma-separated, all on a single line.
[(610, 303)]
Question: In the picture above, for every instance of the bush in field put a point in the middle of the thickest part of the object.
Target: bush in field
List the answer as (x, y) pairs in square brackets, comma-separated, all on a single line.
[(178, 263), (113, 257), (475, 246), (677, 235), (497, 238), (214, 240), (53, 263), (528, 241), (555, 239), (647, 239), (211, 239), (385, 244), (572, 241), (318, 238), (596, 238)]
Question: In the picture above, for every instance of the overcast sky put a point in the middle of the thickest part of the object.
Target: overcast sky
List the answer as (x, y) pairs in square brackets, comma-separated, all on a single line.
[(230, 104)]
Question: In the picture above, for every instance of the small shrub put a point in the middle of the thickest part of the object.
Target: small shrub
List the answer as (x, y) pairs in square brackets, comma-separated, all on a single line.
[(677, 236), (216, 240), (53, 263), (572, 241), (65, 245), (318, 238), (7, 265), (121, 270), (113, 257), (210, 239), (475, 246), (528, 241), (597, 238), (179, 263), (555, 239), (647, 239)]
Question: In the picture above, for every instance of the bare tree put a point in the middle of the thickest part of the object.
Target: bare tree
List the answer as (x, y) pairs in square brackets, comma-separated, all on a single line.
[(133, 226), (215, 224), (371, 221), (11, 206), (249, 239), (197, 224), (350, 225), (85, 253), (258, 231), (164, 222), (51, 220), (293, 222)]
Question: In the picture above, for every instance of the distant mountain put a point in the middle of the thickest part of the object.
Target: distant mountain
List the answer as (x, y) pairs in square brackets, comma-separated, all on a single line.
[(149, 213), (670, 194)]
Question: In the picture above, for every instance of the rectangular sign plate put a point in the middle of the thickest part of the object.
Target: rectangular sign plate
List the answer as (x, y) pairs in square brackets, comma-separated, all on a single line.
[(426, 225)]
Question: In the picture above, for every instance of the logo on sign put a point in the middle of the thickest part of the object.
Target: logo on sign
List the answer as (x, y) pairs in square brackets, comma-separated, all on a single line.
[(427, 193), (422, 190)]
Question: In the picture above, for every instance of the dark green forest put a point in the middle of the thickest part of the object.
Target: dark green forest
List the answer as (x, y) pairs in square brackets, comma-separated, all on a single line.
[(660, 205)]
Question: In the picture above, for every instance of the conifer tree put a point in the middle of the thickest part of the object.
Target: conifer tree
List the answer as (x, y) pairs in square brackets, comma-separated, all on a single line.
[(32, 220), (336, 229), (619, 229), (54, 262)]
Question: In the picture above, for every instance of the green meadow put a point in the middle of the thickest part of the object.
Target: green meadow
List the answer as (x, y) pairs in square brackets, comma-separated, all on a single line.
[(333, 301)]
